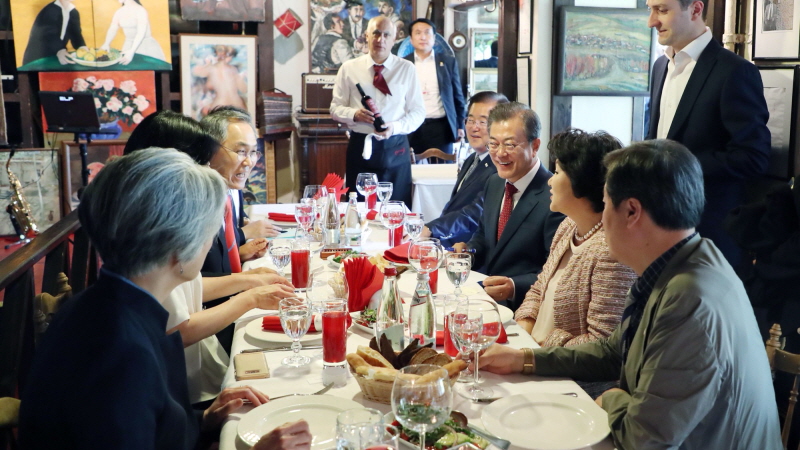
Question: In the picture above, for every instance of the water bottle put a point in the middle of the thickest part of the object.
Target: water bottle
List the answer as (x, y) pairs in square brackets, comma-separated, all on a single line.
[(330, 223), (352, 224), (389, 318), (421, 314)]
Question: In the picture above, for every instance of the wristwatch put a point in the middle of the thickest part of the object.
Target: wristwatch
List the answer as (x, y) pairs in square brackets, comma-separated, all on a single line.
[(527, 361)]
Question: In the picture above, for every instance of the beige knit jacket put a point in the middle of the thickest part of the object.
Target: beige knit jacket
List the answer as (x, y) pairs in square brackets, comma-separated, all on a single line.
[(590, 298)]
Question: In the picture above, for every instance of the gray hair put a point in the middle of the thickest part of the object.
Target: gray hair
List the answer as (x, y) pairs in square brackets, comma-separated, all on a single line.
[(217, 121), (531, 125), (149, 206)]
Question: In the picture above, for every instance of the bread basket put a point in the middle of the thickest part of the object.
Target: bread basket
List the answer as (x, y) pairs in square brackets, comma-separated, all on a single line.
[(380, 391)]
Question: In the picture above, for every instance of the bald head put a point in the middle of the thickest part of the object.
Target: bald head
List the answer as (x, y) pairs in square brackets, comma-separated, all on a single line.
[(381, 34)]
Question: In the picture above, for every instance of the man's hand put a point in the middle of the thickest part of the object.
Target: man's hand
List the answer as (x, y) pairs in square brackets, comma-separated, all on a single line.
[(253, 249), (426, 232), (499, 288), (268, 297), (62, 57), (527, 324), (228, 401), (364, 116), (260, 229), (293, 435), (599, 400), (387, 133), (460, 247), (501, 359)]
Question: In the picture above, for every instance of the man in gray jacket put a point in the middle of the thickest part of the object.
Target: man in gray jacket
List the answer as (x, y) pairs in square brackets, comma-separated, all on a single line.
[(694, 372)]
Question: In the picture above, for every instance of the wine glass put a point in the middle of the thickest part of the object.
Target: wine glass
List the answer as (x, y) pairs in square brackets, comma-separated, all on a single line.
[(280, 251), (477, 324), (325, 284), (315, 191), (304, 213), (422, 398), (458, 266), (414, 224), (393, 214), (425, 255), (295, 320), (385, 189), (367, 184)]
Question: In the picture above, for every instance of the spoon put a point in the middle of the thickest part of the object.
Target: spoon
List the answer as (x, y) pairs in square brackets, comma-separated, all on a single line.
[(461, 420)]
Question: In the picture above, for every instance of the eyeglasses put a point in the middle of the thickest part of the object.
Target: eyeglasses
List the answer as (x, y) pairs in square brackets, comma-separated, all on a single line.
[(252, 154), (480, 123), (494, 147)]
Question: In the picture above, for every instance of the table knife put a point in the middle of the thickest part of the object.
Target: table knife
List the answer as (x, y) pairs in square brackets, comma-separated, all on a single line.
[(279, 349)]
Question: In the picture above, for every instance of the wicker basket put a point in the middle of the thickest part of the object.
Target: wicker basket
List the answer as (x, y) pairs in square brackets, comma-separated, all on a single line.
[(380, 391)]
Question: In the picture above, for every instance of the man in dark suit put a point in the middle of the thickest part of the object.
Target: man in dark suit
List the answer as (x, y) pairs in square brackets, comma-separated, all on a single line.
[(462, 213), (441, 92), (57, 24), (492, 61), (711, 101), (513, 238), (355, 25)]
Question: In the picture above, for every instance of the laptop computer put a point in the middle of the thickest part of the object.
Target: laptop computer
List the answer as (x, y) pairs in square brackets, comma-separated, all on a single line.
[(69, 112)]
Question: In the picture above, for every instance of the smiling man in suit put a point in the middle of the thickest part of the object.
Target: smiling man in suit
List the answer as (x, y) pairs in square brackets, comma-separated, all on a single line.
[(462, 213), (514, 235), (712, 101)]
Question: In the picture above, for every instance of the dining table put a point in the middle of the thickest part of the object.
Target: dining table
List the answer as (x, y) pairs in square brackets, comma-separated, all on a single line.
[(431, 187), (309, 378)]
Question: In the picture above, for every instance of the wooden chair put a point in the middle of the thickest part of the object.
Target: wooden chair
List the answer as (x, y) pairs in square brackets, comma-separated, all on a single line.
[(784, 361), (432, 153), (9, 419)]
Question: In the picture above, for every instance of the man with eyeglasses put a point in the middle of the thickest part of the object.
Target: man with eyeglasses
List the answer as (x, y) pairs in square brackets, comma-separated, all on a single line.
[(514, 235), (461, 215)]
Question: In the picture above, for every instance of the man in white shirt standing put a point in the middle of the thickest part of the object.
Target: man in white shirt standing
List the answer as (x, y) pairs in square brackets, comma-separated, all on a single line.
[(441, 91), (712, 101), (392, 84)]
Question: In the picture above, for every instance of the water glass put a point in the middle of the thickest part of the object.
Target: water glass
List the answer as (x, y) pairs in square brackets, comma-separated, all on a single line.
[(280, 250), (458, 266), (414, 224), (447, 303), (385, 189), (295, 319), (477, 326), (301, 260), (334, 332), (367, 184), (389, 440), (393, 214), (325, 284), (355, 428), (315, 191), (304, 213), (422, 398)]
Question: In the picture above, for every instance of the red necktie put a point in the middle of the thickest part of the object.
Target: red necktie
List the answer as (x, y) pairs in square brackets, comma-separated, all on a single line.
[(508, 206), (379, 82), (230, 238)]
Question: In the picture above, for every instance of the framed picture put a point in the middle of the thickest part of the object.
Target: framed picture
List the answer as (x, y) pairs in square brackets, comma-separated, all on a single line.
[(776, 33), (525, 25), (524, 80), (781, 93), (215, 71), (482, 79), (227, 11), (603, 51), (338, 28), (39, 173), (480, 49), (98, 154), (98, 34)]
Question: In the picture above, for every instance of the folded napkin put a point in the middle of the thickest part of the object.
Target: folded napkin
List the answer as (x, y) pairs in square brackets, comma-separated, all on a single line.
[(502, 339), (363, 280), (398, 254), (335, 183), (273, 323), (372, 214), (280, 217)]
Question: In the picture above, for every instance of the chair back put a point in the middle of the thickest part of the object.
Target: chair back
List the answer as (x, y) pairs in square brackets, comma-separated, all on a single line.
[(783, 361)]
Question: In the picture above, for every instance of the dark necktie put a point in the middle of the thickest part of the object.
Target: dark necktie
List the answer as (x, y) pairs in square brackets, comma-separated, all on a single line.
[(230, 238), (470, 169), (508, 206), (379, 82)]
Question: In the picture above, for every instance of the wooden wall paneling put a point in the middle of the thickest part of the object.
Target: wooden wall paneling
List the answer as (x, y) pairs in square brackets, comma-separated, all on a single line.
[(270, 169), (28, 106), (507, 51)]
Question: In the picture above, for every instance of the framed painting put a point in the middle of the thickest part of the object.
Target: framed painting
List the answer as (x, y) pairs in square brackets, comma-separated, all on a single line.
[(603, 51), (98, 154), (121, 35), (224, 10), (338, 28), (781, 94), (776, 29), (217, 70), (122, 99), (39, 173)]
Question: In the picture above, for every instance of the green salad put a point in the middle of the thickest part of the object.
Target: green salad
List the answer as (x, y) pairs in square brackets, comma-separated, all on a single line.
[(444, 437), (342, 256)]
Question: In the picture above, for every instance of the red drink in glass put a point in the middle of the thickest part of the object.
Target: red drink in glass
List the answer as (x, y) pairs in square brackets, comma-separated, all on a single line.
[(395, 236), (372, 199), (434, 281), (334, 336), (449, 345), (300, 262)]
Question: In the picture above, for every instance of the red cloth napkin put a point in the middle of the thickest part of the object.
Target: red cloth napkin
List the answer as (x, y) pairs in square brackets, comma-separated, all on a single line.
[(398, 254), (502, 339), (372, 214), (280, 217), (335, 183), (273, 323), (363, 280)]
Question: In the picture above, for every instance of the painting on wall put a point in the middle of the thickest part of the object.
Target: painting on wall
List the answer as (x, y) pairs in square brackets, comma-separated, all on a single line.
[(338, 28), (776, 33), (75, 35), (98, 154), (122, 99), (223, 10), (217, 71), (603, 51), (38, 171), (780, 93)]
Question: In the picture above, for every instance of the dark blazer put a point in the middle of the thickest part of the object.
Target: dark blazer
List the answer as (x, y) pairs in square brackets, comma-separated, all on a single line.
[(525, 244), (45, 39), (722, 119), (449, 90), (106, 375), (491, 62), (462, 214)]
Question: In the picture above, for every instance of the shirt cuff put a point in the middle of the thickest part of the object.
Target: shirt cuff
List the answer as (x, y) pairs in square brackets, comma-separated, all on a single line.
[(513, 289)]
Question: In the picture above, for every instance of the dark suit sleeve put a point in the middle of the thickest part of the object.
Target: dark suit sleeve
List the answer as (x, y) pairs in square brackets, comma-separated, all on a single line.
[(523, 283), (744, 116), (458, 95), (74, 30), (459, 222)]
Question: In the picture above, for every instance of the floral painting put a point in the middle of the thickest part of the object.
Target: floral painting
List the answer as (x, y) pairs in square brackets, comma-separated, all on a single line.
[(122, 99)]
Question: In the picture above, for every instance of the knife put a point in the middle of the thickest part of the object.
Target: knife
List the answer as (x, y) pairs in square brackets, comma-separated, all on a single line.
[(279, 349)]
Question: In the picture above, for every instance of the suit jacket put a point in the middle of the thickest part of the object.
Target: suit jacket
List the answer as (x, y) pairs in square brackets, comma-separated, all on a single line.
[(449, 90), (523, 248), (697, 354), (462, 214), (722, 118), (45, 39), (106, 375), (217, 262)]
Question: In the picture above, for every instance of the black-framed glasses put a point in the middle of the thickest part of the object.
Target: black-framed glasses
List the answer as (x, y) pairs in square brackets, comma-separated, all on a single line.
[(252, 154)]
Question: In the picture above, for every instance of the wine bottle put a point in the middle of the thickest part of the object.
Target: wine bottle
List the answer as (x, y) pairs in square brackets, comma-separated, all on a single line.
[(369, 103)]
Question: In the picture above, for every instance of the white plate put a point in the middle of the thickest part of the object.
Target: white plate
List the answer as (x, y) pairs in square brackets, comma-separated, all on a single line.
[(546, 421), (82, 62), (319, 411), (253, 329), (284, 224)]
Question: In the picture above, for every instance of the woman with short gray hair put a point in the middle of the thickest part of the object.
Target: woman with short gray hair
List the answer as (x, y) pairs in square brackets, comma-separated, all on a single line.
[(105, 374)]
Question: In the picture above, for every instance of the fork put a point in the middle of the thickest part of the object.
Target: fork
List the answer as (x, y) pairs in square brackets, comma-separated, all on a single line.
[(491, 399), (319, 392)]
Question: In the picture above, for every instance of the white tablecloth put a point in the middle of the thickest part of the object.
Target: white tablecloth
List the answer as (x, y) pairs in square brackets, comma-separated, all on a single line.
[(432, 186), (308, 379)]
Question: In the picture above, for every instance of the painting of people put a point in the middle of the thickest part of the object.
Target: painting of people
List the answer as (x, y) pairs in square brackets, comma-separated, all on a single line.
[(223, 10), (75, 35)]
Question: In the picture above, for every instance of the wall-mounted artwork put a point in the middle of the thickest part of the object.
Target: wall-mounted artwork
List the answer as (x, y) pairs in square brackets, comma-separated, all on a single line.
[(776, 33), (98, 154), (223, 10), (780, 92), (217, 71), (122, 99), (73, 35), (338, 28), (603, 51), (38, 171)]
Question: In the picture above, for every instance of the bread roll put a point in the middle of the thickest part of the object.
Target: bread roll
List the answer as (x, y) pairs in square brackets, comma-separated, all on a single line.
[(356, 361), (374, 358), (423, 355), (455, 367)]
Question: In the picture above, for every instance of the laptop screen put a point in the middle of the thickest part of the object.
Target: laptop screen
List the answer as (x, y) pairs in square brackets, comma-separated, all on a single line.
[(69, 112)]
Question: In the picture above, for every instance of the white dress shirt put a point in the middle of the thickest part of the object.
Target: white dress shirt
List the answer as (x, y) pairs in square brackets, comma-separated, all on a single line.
[(355, 28), (523, 182), (429, 81), (64, 17), (679, 70)]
